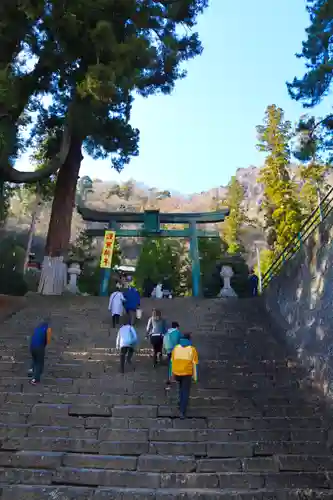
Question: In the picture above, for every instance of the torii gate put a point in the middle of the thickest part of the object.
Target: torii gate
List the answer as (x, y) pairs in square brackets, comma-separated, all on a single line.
[(151, 221)]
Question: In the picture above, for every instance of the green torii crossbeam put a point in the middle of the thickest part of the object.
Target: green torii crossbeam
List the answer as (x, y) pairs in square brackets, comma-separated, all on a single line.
[(151, 221)]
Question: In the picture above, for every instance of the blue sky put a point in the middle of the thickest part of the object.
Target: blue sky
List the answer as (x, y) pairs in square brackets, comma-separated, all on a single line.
[(196, 138)]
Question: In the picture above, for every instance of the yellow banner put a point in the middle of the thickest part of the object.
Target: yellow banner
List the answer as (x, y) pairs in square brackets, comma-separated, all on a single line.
[(107, 252)]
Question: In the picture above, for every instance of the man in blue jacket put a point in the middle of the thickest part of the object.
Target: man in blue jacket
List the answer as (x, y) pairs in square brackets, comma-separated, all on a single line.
[(132, 302), (39, 340)]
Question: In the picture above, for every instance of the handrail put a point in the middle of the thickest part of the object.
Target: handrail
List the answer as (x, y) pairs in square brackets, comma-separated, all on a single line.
[(318, 215)]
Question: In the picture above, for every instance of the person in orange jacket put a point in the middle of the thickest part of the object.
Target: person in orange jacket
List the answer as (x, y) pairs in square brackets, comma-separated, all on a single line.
[(184, 369)]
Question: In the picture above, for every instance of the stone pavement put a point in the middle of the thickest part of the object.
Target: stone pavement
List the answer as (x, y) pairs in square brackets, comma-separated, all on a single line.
[(9, 305), (87, 432)]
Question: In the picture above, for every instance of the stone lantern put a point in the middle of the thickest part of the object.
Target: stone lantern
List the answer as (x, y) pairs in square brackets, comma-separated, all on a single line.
[(227, 291), (74, 272)]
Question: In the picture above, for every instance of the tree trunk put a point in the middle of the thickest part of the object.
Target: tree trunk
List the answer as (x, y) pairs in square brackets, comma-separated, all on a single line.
[(31, 235), (54, 272), (2, 202)]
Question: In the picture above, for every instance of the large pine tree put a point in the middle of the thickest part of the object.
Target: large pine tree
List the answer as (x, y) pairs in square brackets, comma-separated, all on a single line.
[(90, 57)]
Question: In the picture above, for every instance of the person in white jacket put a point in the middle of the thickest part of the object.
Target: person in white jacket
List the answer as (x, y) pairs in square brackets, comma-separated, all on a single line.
[(126, 341), (116, 306)]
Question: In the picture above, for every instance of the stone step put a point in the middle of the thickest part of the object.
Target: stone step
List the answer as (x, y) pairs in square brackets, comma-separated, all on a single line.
[(215, 449), (119, 399), (161, 398), (143, 358), (165, 463), (142, 410), (96, 371), (143, 370), (98, 388), (94, 477), (87, 404), (293, 425), (85, 349), (132, 385), (17, 492), (90, 430)]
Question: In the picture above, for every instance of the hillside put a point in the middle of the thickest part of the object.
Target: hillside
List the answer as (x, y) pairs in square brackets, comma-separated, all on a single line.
[(133, 196)]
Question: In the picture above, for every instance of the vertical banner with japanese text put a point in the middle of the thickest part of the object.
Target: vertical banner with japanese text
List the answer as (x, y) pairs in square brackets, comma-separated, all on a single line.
[(107, 252)]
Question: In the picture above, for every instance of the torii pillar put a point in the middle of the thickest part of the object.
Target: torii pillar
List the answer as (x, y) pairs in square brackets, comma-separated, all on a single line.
[(195, 258)]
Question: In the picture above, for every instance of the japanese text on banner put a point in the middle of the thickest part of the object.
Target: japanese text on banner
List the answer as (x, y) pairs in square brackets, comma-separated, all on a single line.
[(107, 252)]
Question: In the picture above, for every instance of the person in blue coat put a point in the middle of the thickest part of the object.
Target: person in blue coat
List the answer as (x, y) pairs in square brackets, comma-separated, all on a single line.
[(132, 302)]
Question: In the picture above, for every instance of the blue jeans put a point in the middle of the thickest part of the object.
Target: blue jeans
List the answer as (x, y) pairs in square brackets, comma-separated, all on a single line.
[(169, 367), (38, 356), (184, 382)]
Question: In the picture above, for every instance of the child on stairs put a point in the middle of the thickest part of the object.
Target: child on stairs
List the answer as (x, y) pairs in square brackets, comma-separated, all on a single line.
[(184, 361), (170, 340), (126, 342)]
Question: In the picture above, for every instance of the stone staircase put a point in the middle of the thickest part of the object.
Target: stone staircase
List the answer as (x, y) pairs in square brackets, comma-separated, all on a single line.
[(87, 432)]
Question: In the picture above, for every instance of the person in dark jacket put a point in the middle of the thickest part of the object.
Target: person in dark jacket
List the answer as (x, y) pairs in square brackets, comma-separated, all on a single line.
[(38, 342), (254, 283), (148, 287), (156, 329), (132, 302)]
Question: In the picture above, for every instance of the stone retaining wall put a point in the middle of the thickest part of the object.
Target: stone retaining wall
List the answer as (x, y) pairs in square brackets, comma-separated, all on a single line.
[(300, 300)]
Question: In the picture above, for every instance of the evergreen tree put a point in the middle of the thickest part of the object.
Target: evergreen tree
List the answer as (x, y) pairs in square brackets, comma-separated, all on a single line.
[(317, 52), (83, 248), (158, 261), (313, 185), (6, 192), (317, 81), (232, 226), (310, 149), (211, 251), (117, 254), (266, 260), (281, 205)]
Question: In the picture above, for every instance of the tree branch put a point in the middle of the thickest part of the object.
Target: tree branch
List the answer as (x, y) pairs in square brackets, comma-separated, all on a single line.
[(17, 177), (168, 2)]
